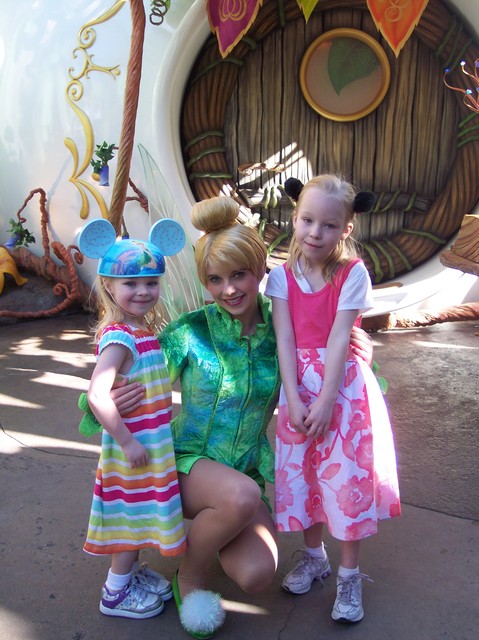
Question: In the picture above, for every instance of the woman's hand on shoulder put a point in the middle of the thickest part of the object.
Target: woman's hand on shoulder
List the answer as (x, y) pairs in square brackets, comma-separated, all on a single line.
[(362, 344), (127, 396)]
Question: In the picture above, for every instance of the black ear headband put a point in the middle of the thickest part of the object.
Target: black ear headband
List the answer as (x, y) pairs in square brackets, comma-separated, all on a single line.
[(293, 187), (364, 200)]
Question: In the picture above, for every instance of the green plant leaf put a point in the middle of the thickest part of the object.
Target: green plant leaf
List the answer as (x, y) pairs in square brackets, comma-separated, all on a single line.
[(96, 164), (105, 152), (349, 60), (22, 235)]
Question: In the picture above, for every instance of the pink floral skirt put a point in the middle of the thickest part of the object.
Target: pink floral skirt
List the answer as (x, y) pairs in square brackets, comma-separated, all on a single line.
[(346, 479)]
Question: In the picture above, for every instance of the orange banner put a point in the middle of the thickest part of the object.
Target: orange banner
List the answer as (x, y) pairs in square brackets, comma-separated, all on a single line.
[(396, 19), (230, 20)]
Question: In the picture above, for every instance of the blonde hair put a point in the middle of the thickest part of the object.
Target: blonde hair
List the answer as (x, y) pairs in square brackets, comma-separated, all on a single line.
[(108, 310), (345, 250), (225, 241)]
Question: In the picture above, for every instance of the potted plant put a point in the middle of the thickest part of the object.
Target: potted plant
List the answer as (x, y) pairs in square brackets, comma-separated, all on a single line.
[(104, 153), (19, 235)]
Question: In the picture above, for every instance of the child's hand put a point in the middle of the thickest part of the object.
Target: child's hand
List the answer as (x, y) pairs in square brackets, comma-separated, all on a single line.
[(298, 412), (319, 419), (135, 453)]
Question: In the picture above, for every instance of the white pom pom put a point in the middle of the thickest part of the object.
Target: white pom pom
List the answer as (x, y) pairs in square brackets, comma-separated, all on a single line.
[(201, 612)]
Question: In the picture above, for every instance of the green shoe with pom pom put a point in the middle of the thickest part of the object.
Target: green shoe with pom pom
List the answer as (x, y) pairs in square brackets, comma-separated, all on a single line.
[(201, 613)]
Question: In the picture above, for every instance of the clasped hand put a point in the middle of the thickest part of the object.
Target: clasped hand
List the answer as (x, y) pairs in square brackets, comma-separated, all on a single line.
[(312, 420)]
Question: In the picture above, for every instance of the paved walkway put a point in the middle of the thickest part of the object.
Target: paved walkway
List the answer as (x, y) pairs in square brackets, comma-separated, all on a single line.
[(425, 565)]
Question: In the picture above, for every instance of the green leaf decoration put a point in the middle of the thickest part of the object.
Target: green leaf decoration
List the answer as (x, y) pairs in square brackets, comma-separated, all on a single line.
[(349, 60), (383, 385), (382, 382), (307, 7)]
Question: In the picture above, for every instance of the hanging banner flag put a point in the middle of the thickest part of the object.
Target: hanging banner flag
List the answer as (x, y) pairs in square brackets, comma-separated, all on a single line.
[(307, 7), (396, 20), (230, 20)]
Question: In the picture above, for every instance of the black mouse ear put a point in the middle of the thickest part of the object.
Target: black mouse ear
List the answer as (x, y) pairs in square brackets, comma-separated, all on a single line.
[(293, 187), (364, 201)]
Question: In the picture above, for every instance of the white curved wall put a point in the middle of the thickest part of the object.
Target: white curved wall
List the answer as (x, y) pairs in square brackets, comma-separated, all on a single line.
[(37, 40)]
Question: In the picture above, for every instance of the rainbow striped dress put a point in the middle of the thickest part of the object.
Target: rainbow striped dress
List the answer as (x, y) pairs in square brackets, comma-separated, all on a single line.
[(137, 508)]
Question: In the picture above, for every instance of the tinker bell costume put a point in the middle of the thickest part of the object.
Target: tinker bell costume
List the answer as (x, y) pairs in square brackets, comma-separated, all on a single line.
[(137, 508), (229, 389)]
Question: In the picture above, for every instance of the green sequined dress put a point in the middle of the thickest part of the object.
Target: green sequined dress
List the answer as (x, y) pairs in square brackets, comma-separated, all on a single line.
[(229, 390)]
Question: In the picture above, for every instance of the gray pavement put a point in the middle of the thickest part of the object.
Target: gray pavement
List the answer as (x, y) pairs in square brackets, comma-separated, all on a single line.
[(425, 564)]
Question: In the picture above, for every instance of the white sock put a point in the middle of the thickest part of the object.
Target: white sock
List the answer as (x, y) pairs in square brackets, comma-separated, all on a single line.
[(343, 572), (116, 582), (317, 552)]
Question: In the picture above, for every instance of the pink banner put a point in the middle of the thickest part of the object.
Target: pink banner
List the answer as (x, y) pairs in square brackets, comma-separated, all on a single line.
[(230, 20)]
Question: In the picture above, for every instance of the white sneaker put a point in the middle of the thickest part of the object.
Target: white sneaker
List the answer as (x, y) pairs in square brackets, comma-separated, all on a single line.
[(348, 606), (153, 582), (131, 602), (306, 571)]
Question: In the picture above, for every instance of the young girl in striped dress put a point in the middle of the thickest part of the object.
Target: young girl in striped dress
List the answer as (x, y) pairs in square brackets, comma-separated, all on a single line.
[(136, 500)]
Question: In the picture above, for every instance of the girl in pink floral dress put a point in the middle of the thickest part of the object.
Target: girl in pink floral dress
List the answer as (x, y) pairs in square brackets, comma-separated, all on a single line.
[(335, 459)]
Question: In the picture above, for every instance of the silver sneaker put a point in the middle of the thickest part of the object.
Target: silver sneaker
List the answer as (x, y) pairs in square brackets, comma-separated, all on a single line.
[(153, 582), (348, 606), (131, 602), (306, 571)]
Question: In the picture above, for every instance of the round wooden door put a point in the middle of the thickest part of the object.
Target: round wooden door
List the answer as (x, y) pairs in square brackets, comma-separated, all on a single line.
[(246, 127)]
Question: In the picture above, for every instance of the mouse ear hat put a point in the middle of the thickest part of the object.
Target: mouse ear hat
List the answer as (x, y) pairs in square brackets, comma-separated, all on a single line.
[(293, 188), (363, 202), (128, 258)]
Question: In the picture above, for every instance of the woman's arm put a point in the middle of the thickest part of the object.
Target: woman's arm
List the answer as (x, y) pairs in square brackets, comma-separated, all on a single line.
[(127, 396), (321, 409), (174, 342), (286, 342), (108, 365)]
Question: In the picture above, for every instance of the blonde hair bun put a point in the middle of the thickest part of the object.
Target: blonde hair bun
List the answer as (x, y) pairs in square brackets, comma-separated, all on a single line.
[(214, 214)]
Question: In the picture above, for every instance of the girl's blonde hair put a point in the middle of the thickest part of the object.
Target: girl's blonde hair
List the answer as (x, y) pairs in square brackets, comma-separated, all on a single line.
[(225, 241), (108, 310), (345, 250)]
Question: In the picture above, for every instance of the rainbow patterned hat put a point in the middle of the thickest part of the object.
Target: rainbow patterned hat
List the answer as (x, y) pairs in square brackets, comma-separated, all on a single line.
[(128, 258)]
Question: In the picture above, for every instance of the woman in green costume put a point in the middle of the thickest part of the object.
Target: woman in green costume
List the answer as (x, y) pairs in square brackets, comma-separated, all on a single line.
[(225, 357)]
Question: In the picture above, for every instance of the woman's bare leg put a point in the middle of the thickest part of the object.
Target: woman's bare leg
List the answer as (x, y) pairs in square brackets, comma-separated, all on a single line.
[(220, 502), (251, 558)]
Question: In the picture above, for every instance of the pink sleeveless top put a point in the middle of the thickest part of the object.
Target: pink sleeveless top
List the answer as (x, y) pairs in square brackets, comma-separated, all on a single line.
[(313, 314)]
